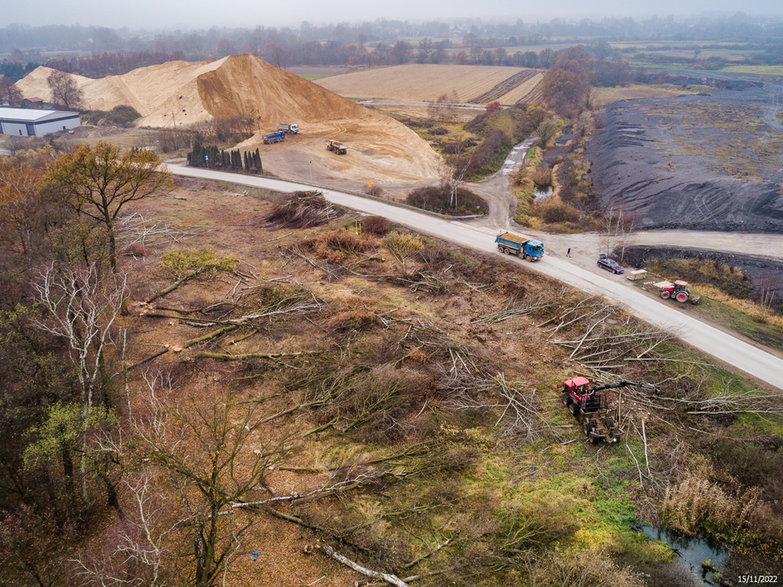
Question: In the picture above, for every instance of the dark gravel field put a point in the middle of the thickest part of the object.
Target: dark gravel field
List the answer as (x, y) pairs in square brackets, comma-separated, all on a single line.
[(699, 162)]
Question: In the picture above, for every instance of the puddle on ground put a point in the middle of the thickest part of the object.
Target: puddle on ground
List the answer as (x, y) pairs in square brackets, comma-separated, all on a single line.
[(542, 192), (690, 553)]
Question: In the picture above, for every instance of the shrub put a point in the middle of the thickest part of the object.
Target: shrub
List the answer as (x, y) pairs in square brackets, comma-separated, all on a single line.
[(118, 116), (182, 262), (488, 156), (337, 246), (557, 212), (541, 176), (374, 190), (438, 199), (375, 225), (402, 245), (137, 250)]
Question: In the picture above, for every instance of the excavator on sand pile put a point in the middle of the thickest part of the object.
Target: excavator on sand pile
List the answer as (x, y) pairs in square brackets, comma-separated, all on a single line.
[(590, 406)]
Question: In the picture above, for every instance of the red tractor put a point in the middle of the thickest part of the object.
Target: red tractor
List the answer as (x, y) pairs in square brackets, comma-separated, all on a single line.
[(676, 291), (588, 404)]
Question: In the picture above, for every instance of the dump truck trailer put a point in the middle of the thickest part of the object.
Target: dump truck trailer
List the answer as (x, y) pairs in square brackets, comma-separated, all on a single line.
[(513, 244), (274, 137), (336, 147)]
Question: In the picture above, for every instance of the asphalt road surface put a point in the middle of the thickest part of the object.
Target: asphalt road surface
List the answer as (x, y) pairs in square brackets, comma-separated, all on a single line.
[(724, 347)]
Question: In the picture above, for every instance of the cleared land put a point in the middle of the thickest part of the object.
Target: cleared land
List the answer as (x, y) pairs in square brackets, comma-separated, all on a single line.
[(427, 82), (399, 376)]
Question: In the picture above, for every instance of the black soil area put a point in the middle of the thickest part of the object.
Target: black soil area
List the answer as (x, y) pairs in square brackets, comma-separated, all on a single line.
[(698, 162), (759, 275)]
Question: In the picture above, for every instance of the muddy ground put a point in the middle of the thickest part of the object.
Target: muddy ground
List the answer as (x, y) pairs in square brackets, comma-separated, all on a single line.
[(699, 162)]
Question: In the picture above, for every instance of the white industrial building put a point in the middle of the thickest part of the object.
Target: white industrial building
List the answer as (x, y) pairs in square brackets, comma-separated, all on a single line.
[(24, 122)]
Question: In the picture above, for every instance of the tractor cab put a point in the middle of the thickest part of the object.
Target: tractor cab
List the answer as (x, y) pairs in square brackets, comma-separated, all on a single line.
[(589, 405), (578, 396), (576, 387)]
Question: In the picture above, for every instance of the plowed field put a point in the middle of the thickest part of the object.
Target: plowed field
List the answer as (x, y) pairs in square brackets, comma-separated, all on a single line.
[(427, 82)]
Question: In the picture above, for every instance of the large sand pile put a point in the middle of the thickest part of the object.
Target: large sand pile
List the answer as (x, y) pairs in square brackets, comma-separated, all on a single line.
[(181, 94)]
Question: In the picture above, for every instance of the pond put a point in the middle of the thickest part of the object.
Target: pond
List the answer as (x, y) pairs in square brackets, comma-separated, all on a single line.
[(542, 192), (690, 553)]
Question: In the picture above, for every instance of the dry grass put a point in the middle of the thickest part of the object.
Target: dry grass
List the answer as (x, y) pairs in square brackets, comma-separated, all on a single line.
[(751, 308), (697, 504), (601, 97)]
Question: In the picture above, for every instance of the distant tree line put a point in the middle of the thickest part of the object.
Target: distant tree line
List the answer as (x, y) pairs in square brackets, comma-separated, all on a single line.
[(113, 63), (212, 157)]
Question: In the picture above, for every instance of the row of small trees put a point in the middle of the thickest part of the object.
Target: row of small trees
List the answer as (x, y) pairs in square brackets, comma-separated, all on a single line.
[(212, 157)]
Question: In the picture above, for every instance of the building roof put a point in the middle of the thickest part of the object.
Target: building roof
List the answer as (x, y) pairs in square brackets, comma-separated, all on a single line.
[(33, 115)]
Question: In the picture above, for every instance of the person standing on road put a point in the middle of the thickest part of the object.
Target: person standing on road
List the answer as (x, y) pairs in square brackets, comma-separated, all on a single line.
[(568, 252)]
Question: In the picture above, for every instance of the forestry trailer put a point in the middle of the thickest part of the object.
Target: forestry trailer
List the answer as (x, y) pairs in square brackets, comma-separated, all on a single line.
[(513, 244), (336, 147), (589, 405)]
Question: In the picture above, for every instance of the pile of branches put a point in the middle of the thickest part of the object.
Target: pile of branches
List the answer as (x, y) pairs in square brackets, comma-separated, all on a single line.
[(600, 339), (303, 210)]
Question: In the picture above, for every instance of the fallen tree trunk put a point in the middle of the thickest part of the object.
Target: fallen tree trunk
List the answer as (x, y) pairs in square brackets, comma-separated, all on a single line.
[(174, 286), (229, 357), (389, 578), (209, 335)]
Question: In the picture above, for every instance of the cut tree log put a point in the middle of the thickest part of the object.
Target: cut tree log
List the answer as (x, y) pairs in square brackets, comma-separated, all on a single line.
[(228, 357), (389, 578)]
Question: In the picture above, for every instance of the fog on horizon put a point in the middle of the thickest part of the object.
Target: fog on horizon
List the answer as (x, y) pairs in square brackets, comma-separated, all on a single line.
[(200, 14)]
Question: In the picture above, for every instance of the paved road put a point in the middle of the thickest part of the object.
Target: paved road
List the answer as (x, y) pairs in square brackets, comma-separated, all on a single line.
[(724, 347)]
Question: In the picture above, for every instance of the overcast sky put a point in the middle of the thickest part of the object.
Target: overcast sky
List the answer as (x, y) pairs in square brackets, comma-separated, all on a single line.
[(164, 14)]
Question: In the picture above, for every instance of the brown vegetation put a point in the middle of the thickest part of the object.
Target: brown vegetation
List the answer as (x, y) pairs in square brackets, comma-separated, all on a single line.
[(385, 398)]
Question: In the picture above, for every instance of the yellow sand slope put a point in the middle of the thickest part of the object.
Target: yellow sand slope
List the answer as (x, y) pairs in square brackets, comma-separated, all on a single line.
[(182, 94)]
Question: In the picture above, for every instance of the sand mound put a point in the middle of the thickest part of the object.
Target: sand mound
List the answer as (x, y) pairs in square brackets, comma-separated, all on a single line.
[(182, 94)]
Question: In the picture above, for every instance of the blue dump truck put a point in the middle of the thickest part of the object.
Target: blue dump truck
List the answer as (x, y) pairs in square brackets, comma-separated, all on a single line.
[(275, 137), (513, 244)]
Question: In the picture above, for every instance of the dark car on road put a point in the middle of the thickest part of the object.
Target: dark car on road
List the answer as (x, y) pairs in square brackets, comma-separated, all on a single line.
[(610, 264)]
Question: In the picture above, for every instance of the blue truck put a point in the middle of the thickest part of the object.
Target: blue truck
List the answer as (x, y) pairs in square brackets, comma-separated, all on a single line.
[(513, 244), (275, 137)]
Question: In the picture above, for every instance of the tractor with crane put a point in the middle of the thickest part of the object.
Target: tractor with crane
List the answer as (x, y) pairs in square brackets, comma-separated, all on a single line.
[(590, 405)]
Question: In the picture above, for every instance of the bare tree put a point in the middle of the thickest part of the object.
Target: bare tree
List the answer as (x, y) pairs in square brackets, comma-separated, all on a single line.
[(618, 224), (205, 453), (82, 308), (64, 90), (139, 553), (9, 92)]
